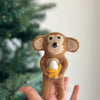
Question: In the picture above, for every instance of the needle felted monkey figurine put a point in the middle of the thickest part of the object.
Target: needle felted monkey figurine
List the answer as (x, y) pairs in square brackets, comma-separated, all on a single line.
[(54, 63)]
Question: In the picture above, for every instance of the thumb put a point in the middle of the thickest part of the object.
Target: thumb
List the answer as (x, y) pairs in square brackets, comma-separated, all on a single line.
[(30, 92)]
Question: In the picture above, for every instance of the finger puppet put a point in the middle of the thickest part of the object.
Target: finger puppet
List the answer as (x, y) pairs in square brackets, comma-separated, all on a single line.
[(54, 63)]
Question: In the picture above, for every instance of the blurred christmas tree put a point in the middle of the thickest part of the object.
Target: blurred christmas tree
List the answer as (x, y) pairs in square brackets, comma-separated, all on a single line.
[(19, 64)]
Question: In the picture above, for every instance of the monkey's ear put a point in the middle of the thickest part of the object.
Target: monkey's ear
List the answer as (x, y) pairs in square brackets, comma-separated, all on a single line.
[(38, 43), (72, 44)]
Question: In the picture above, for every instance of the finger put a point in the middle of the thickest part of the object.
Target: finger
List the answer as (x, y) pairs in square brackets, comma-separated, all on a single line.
[(75, 93), (53, 89), (24, 89), (66, 82), (30, 92), (53, 97)]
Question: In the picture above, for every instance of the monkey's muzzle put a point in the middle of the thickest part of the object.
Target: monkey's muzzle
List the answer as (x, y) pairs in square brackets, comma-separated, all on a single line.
[(54, 45)]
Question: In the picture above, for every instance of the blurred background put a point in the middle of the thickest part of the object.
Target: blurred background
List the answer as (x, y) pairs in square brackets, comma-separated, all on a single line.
[(22, 20), (20, 23)]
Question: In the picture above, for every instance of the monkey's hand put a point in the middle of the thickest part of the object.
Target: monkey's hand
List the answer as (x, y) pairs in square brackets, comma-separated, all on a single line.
[(44, 70)]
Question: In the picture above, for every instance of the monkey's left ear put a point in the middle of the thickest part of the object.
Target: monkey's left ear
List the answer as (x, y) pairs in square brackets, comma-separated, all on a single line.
[(72, 45), (38, 43)]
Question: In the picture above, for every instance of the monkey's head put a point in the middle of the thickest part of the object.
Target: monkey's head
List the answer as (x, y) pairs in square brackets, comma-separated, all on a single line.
[(55, 44)]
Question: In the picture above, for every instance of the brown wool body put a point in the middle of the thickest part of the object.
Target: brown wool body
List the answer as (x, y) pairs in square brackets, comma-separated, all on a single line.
[(55, 45)]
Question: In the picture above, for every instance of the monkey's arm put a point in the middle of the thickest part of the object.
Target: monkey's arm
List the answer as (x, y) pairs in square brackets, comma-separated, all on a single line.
[(64, 67), (43, 66)]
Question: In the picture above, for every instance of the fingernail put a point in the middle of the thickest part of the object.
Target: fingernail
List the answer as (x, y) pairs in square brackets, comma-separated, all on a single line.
[(21, 89), (77, 88)]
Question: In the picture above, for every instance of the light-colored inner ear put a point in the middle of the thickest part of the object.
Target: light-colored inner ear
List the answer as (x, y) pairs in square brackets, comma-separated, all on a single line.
[(72, 45), (39, 43)]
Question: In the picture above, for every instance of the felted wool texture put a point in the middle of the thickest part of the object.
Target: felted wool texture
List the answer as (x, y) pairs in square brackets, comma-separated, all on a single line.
[(53, 65), (53, 73), (63, 45)]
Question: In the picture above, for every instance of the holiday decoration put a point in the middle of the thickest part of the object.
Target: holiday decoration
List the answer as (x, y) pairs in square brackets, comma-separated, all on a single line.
[(20, 22), (54, 63)]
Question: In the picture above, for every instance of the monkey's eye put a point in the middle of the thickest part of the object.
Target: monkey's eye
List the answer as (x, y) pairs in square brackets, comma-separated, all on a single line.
[(50, 38), (58, 37)]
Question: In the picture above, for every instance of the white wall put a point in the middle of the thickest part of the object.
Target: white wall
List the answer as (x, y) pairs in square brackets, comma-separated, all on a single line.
[(80, 19)]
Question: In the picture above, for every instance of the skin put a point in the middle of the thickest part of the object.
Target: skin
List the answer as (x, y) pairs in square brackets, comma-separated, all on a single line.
[(32, 94)]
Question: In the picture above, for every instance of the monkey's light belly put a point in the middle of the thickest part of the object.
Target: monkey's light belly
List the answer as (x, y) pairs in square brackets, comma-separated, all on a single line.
[(53, 65)]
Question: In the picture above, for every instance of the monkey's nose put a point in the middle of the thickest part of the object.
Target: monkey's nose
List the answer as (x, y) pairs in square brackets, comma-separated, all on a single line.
[(54, 44)]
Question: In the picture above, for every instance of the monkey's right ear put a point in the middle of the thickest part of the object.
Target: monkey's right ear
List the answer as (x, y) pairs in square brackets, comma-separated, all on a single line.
[(38, 43)]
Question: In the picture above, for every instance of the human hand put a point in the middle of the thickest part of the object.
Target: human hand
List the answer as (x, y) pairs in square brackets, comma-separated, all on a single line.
[(32, 94)]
